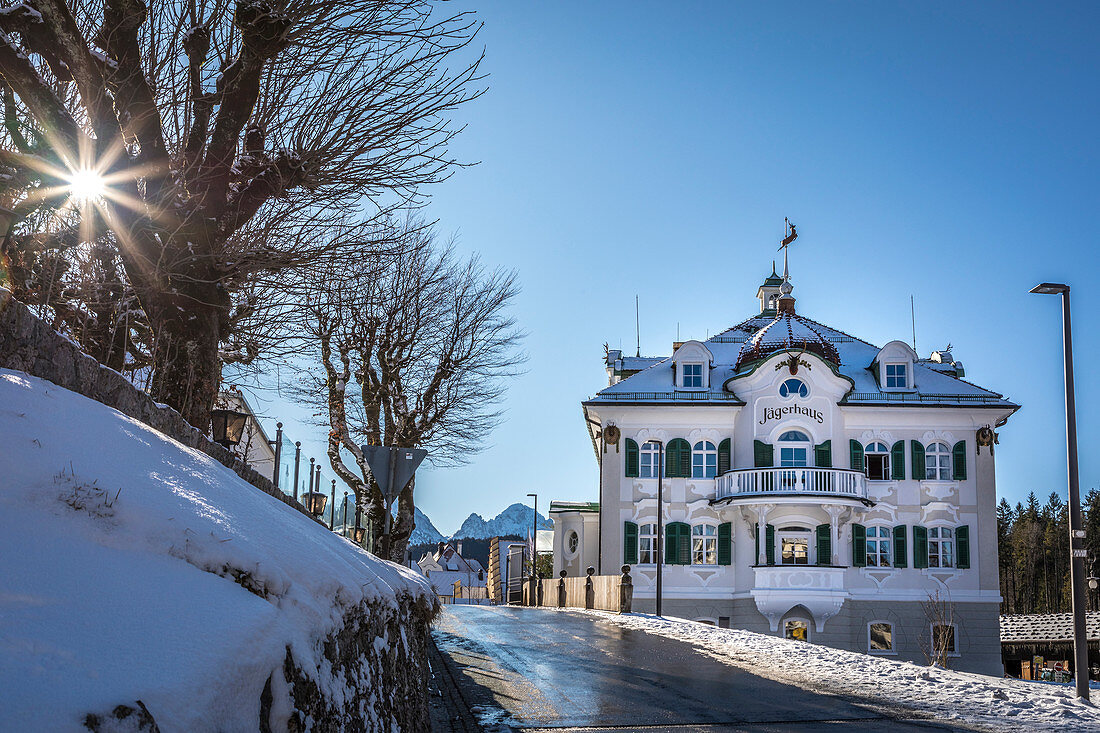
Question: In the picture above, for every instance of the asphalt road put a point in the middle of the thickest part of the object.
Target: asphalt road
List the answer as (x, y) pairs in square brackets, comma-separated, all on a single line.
[(532, 669)]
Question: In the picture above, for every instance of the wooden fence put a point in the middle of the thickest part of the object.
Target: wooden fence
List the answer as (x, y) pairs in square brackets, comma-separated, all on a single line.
[(603, 592)]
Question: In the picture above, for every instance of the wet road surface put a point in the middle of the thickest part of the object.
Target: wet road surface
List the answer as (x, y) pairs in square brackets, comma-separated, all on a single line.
[(557, 671)]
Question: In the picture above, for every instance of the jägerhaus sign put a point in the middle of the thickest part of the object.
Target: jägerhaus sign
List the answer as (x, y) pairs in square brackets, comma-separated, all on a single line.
[(778, 413)]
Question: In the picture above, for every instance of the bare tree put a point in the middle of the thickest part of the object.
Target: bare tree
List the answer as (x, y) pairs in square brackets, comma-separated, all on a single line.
[(940, 644), (415, 349), (233, 137)]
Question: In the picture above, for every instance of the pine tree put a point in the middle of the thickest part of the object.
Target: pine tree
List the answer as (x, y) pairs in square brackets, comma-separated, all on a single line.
[(1005, 519)]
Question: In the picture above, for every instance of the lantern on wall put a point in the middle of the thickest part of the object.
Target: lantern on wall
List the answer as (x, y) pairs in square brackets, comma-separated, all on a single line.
[(227, 427), (315, 502)]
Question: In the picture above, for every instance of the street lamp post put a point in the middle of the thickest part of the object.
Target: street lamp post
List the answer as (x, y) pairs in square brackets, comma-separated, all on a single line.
[(345, 510), (278, 453), (659, 540), (332, 511), (1076, 530), (297, 458), (534, 546)]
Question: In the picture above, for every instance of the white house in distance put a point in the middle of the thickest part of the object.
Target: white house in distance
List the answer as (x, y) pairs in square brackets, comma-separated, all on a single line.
[(814, 486), (446, 566)]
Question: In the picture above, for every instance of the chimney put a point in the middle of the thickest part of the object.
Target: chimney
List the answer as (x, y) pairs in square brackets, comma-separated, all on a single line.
[(786, 304), (458, 549), (439, 548)]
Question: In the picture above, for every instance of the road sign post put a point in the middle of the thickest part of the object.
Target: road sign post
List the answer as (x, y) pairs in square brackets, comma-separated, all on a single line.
[(392, 467)]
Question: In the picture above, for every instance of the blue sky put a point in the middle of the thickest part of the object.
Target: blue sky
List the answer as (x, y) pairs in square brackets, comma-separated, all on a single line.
[(943, 150)]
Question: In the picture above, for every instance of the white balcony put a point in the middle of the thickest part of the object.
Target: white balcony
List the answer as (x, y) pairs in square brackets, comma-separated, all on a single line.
[(820, 590), (839, 482)]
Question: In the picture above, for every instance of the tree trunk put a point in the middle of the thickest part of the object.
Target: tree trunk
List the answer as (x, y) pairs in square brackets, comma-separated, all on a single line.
[(186, 365), (404, 523)]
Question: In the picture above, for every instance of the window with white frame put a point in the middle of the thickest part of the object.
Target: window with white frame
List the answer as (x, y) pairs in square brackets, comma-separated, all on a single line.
[(650, 460), (794, 546), (704, 544), (794, 449), (940, 541), (897, 376), (943, 639), (937, 462), (880, 637), (647, 544), (704, 460), (876, 458), (573, 540), (693, 375), (878, 547)]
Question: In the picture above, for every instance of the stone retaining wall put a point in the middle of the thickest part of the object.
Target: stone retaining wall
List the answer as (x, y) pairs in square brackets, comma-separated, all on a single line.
[(28, 344)]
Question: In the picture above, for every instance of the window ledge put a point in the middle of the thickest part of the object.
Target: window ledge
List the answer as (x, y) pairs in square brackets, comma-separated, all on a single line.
[(880, 653)]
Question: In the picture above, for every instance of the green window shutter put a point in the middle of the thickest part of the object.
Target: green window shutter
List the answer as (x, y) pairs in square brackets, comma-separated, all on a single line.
[(900, 550), (824, 545), (725, 543), (762, 454), (855, 448), (756, 536), (678, 459), (897, 462), (962, 547), (958, 461), (769, 544), (823, 455), (920, 547), (630, 543), (859, 546), (723, 456), (917, 470), (677, 544), (631, 458)]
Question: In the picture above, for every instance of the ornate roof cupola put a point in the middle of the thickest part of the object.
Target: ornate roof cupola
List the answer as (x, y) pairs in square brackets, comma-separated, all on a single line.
[(768, 293)]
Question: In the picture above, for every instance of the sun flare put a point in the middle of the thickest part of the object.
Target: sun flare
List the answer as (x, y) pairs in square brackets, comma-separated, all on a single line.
[(86, 185)]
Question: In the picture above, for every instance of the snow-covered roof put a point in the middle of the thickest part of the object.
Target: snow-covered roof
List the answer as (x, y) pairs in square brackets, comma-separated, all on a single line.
[(574, 506), (853, 359), (1039, 627)]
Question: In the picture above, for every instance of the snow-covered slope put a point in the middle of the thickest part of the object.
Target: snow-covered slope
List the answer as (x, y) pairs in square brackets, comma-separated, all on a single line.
[(137, 569), (515, 520), (425, 532)]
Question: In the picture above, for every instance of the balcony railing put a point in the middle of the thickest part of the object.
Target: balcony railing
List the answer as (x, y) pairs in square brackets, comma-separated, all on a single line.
[(827, 481)]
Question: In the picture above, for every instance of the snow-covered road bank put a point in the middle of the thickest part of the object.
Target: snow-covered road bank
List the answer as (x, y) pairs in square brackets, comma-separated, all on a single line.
[(137, 569), (989, 702)]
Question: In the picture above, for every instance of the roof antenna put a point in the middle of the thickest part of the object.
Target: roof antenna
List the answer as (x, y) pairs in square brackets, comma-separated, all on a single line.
[(637, 325), (913, 315)]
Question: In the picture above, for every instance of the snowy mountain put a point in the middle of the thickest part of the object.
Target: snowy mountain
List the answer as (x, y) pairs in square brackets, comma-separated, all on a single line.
[(515, 520), (425, 531)]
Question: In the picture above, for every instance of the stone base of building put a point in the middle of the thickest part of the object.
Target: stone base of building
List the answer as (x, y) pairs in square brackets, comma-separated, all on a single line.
[(977, 627)]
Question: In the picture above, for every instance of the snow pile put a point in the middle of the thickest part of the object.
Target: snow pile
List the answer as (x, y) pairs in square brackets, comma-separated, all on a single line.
[(138, 569), (1002, 704)]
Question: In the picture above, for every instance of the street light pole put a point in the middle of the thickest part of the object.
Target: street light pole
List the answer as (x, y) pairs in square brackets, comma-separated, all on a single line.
[(534, 545), (660, 524), (278, 453), (1076, 529)]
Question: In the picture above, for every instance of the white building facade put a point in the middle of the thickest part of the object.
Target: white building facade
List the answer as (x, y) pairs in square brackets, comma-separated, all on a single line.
[(813, 486)]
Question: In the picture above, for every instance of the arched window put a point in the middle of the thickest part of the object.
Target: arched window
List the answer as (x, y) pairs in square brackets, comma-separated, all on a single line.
[(794, 449), (794, 388), (876, 459), (573, 540), (704, 460), (878, 547), (647, 544), (704, 544), (650, 460), (937, 462)]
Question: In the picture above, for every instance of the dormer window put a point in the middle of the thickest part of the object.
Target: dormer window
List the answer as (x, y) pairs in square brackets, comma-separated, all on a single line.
[(897, 376), (693, 375)]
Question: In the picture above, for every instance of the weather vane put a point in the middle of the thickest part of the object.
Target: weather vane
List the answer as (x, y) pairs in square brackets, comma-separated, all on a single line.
[(792, 233)]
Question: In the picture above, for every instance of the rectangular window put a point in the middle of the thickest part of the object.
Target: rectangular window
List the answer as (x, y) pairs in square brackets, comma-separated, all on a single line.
[(704, 544), (939, 548), (878, 547), (896, 377), (878, 466), (792, 457), (880, 637), (693, 375), (650, 464), (647, 544), (943, 637), (795, 550)]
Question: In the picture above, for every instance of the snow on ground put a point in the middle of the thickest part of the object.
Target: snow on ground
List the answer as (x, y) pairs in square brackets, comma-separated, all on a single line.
[(126, 558), (990, 702)]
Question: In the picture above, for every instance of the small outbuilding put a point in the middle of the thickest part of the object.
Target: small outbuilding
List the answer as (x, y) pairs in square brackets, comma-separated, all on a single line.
[(1035, 645)]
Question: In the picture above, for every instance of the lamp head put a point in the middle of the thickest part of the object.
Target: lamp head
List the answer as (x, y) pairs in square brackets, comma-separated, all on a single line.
[(1050, 289)]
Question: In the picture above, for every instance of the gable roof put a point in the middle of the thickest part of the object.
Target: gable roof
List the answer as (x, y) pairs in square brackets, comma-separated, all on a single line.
[(1039, 627)]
